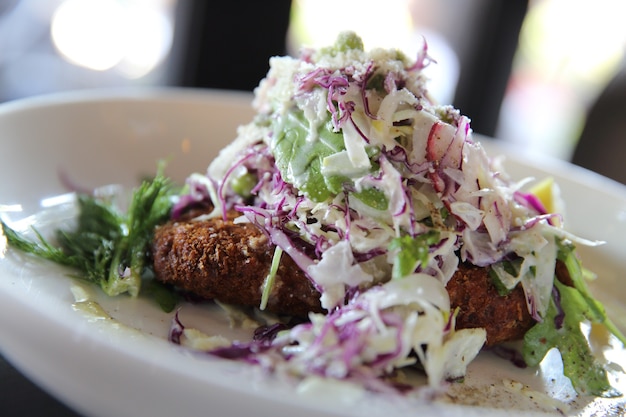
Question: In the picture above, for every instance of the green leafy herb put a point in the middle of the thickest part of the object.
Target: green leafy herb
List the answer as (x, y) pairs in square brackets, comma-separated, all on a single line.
[(567, 255), (300, 160), (578, 306), (579, 365), (107, 247), (161, 293), (510, 267), (411, 252), (373, 197)]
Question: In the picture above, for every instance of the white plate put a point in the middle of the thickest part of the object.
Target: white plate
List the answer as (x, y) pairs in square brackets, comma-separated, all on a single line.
[(125, 366)]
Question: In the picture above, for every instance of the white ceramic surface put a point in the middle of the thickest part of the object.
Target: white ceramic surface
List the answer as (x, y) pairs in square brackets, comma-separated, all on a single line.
[(125, 367)]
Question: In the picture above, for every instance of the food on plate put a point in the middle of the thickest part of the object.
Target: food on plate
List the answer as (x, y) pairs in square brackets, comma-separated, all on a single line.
[(355, 203), (219, 259), (421, 248)]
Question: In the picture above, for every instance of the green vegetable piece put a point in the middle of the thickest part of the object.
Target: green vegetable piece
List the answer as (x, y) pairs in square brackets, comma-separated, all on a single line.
[(41, 248), (411, 252), (244, 184), (300, 160), (579, 365), (374, 198), (568, 256), (163, 294), (512, 267), (348, 40), (578, 305), (268, 283), (336, 183), (93, 242), (107, 247), (149, 207)]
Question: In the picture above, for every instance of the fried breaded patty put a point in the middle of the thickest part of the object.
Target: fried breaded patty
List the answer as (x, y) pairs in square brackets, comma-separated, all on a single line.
[(505, 317), (217, 259)]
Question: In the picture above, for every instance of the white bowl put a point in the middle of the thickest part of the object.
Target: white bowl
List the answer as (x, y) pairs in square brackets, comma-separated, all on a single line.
[(125, 366)]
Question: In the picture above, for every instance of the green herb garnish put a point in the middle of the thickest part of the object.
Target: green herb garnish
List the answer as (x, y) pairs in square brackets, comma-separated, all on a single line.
[(108, 248), (411, 252), (300, 160), (565, 334)]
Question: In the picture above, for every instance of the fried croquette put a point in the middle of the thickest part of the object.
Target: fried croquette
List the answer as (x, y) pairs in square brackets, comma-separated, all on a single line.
[(218, 259), (227, 261)]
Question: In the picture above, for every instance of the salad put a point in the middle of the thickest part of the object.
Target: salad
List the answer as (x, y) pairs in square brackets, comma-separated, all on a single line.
[(379, 195)]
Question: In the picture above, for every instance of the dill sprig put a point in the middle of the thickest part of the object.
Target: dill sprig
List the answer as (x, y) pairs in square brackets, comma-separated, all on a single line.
[(108, 247)]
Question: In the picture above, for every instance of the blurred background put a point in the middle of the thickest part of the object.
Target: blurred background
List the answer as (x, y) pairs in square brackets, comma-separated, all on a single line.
[(547, 76), (525, 71)]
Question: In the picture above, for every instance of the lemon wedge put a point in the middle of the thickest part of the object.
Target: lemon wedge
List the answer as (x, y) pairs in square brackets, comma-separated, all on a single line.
[(544, 191)]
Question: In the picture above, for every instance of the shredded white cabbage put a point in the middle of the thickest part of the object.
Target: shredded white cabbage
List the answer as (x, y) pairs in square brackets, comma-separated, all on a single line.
[(406, 167)]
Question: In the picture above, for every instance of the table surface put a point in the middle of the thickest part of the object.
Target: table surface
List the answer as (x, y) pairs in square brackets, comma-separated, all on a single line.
[(20, 397)]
